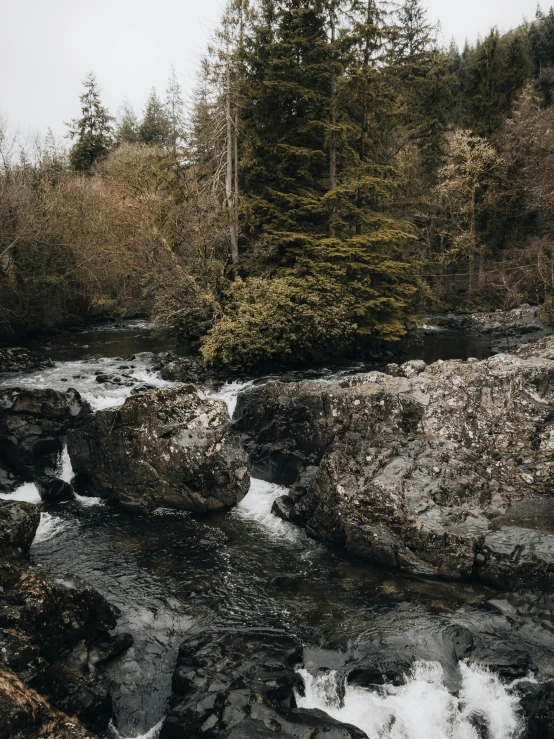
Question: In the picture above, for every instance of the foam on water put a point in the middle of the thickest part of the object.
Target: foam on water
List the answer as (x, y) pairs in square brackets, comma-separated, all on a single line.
[(49, 527), (229, 394), (152, 733), (66, 473), (27, 492), (257, 504), (82, 374), (422, 708)]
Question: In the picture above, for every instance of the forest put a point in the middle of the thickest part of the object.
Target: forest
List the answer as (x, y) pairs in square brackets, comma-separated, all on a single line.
[(337, 175)]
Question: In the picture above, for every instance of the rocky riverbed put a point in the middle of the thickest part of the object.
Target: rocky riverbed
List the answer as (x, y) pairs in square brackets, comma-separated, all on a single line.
[(419, 604)]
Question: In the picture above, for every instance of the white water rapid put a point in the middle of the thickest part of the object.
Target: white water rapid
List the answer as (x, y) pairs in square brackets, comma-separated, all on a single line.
[(422, 708)]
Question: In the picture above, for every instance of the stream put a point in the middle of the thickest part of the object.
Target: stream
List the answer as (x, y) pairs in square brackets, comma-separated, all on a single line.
[(247, 569)]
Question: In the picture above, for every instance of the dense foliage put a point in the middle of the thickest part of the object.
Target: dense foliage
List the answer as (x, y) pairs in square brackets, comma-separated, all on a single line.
[(337, 172)]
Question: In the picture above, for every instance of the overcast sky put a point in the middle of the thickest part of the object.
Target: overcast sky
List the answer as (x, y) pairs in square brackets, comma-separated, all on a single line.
[(48, 46)]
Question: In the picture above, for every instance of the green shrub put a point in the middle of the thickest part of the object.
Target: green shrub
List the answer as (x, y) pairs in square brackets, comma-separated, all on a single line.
[(547, 312), (284, 319)]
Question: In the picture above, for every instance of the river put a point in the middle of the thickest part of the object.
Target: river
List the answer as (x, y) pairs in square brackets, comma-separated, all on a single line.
[(243, 569)]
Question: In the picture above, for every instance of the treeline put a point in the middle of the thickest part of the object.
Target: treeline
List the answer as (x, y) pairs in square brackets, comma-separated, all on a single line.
[(338, 173)]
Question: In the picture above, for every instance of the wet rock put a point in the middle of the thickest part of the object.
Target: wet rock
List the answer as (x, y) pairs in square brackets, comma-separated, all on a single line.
[(54, 490), (437, 470), (144, 388), (538, 704), (172, 447), (76, 694), (183, 369), (110, 648), (18, 524), (17, 359), (241, 686), (24, 714), (32, 426), (44, 621)]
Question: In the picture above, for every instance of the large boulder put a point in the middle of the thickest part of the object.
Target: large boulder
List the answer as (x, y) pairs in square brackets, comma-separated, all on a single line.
[(429, 471), (241, 686), (33, 424), (172, 447)]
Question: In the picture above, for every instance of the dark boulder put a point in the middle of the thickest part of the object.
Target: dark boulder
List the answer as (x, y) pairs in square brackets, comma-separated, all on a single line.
[(538, 705), (54, 490), (241, 686), (442, 470), (33, 424), (18, 524), (172, 447)]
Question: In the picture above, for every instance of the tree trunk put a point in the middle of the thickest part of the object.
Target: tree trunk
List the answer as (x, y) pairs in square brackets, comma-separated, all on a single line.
[(229, 171), (333, 138)]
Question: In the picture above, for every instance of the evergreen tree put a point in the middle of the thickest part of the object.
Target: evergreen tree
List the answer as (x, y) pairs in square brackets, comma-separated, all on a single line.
[(541, 39), (155, 127), (93, 131), (127, 125), (495, 72), (425, 81), (287, 176)]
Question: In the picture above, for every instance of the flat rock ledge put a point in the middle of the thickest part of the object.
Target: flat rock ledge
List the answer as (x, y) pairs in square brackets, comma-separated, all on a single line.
[(171, 447), (443, 470)]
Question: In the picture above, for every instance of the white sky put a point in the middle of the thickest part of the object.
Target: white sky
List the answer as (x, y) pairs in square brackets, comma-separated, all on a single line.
[(48, 46)]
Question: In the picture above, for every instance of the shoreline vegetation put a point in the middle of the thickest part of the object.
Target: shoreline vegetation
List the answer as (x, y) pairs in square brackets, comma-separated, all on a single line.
[(337, 175)]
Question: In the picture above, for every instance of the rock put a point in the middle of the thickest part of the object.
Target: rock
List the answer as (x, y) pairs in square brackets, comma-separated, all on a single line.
[(188, 370), (438, 473), (144, 388), (24, 714), (172, 447), (110, 648), (17, 359), (18, 524), (54, 490), (538, 704), (32, 426), (43, 622), (241, 686), (76, 694), (412, 368), (183, 369)]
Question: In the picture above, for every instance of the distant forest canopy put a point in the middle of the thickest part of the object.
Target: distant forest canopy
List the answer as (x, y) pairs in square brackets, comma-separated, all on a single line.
[(337, 174)]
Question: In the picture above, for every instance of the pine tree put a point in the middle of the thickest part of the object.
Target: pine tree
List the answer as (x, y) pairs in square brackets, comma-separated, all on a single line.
[(127, 125), (93, 131), (287, 176), (425, 82), (495, 71), (155, 126)]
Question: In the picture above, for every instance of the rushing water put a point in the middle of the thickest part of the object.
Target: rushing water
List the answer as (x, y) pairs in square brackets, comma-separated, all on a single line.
[(247, 569)]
